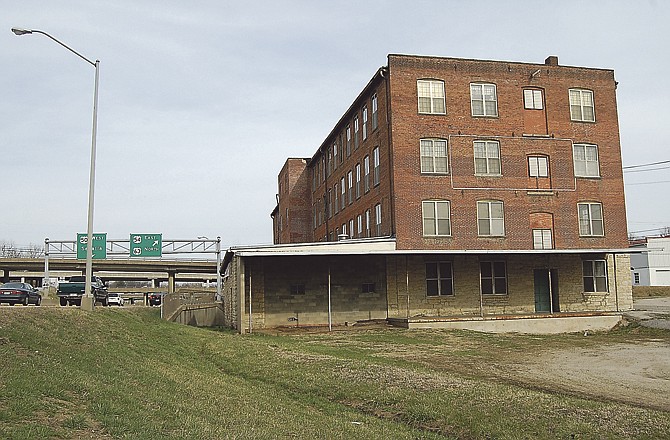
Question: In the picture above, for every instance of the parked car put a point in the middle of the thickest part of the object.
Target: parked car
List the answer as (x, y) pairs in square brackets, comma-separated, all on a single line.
[(19, 293), (155, 299), (114, 299)]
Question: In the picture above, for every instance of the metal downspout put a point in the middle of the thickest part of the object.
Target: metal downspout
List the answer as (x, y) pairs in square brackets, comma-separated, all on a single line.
[(330, 314), (390, 150), (249, 299), (616, 285)]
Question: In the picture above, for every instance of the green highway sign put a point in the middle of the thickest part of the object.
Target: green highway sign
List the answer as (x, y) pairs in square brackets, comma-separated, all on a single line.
[(99, 246), (146, 245)]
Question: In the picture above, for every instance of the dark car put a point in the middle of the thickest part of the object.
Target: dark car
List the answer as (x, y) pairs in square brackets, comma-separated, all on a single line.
[(155, 299), (19, 293)]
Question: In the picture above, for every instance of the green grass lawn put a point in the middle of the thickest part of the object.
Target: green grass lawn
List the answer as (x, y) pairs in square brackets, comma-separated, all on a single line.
[(124, 373)]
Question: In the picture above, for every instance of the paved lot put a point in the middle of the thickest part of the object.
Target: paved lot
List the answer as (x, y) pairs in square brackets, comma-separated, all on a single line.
[(652, 312)]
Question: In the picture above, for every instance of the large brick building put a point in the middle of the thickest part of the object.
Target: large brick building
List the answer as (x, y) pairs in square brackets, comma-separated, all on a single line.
[(499, 183)]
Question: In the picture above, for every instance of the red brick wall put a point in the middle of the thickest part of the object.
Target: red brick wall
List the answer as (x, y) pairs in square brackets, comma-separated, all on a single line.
[(294, 193), (411, 187)]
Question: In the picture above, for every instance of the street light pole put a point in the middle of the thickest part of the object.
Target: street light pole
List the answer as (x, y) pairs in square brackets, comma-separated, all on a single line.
[(87, 302)]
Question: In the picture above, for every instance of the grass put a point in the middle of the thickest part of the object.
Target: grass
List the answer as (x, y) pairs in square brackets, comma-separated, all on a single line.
[(124, 373)]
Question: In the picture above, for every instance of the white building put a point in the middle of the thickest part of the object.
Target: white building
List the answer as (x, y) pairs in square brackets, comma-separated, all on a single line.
[(652, 268)]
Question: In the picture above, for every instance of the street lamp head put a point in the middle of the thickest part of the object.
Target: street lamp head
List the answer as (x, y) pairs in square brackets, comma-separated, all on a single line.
[(19, 31)]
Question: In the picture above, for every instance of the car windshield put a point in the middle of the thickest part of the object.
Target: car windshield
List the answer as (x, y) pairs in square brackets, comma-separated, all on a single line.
[(113, 294), (13, 286)]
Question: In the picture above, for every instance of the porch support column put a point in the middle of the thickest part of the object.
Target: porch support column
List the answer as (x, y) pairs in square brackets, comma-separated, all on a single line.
[(330, 309)]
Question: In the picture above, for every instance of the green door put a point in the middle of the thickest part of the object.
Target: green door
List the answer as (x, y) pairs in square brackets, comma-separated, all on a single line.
[(546, 298), (542, 296)]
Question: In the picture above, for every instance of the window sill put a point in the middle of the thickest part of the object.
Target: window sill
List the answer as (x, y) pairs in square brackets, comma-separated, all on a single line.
[(486, 116), (437, 236), (429, 173), (431, 114), (580, 120), (491, 236), (589, 177), (592, 236), (487, 175)]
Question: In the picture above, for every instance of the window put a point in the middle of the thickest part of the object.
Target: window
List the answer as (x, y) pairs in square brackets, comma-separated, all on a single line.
[(490, 218), (585, 158), (359, 223), (341, 150), (375, 170), (439, 278), (493, 277), (538, 166), (365, 123), (297, 289), (378, 219), (487, 157), (542, 239), (336, 192), (636, 276), (343, 189), (335, 155), (595, 275), (344, 229), (350, 186), (358, 180), (581, 105), (367, 223), (434, 156), (356, 130), (348, 140), (532, 99), (366, 174), (368, 288), (375, 112), (483, 100), (329, 204), (431, 96), (436, 218), (351, 228), (590, 219)]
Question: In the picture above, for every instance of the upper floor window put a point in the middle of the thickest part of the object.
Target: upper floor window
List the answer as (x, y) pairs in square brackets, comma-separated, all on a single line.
[(431, 96), (532, 99), (366, 173), (436, 217), (359, 224), (343, 198), (378, 219), (581, 105), (542, 239), (439, 278), (595, 275), (490, 218), (487, 157), (585, 158), (484, 100), (590, 219), (357, 128), (358, 180), (365, 123), (434, 156), (375, 169), (335, 155), (375, 112), (538, 166), (336, 194), (348, 140), (367, 223), (350, 187)]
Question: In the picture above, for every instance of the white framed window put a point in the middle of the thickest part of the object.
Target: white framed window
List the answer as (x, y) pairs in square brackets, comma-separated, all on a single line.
[(538, 166), (350, 187), (343, 198), (436, 217), (591, 219), (439, 278), (636, 278), (358, 180), (348, 131), (341, 142), (357, 129), (336, 193), (431, 96), (487, 157), (595, 275), (367, 223), (542, 239), (581, 105), (493, 277), (532, 99), (366, 173), (351, 228), (375, 169), (329, 203), (434, 156), (483, 99), (585, 157), (335, 155), (365, 122), (378, 219), (375, 112), (490, 218), (344, 229), (359, 223)]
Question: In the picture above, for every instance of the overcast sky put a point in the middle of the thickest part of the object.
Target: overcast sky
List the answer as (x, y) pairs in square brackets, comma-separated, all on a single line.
[(201, 102)]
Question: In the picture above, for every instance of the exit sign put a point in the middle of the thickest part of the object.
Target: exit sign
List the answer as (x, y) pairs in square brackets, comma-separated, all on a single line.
[(146, 245)]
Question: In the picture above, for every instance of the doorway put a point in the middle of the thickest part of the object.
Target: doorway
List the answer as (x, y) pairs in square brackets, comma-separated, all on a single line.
[(546, 291)]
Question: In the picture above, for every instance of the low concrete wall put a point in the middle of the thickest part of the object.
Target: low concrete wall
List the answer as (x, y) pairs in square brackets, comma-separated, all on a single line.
[(199, 315), (572, 324), (650, 291)]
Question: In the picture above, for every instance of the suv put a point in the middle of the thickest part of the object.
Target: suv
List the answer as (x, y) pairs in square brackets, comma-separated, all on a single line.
[(114, 299), (155, 299)]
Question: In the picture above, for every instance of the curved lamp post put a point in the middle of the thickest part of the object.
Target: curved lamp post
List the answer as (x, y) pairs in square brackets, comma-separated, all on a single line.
[(88, 301)]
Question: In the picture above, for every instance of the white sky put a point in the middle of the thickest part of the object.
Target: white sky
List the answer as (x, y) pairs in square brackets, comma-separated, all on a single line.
[(201, 102)]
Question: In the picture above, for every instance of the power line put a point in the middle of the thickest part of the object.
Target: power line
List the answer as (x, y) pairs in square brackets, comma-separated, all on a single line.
[(648, 183), (649, 169), (646, 164)]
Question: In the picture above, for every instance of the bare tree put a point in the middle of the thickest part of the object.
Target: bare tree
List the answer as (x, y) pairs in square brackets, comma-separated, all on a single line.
[(9, 250)]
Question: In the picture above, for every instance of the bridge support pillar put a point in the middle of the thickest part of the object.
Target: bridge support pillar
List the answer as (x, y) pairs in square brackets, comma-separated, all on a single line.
[(171, 276)]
